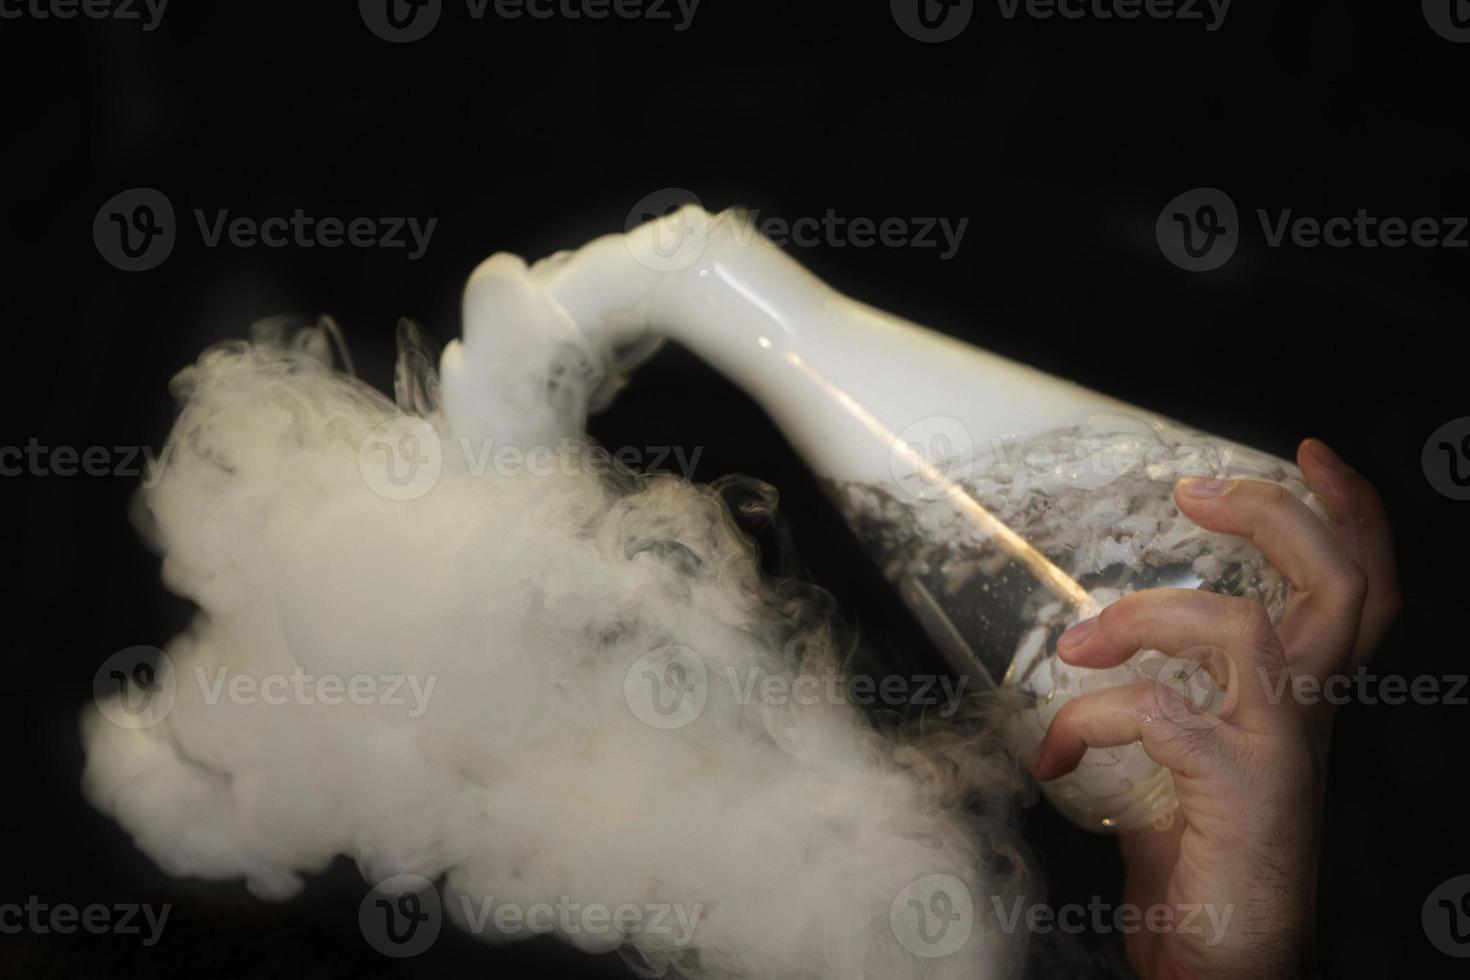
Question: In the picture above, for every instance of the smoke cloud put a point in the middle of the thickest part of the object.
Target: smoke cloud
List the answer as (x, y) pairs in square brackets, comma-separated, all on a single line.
[(513, 680)]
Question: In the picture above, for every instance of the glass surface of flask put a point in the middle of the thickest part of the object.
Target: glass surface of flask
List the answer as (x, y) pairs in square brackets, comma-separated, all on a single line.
[(1005, 504)]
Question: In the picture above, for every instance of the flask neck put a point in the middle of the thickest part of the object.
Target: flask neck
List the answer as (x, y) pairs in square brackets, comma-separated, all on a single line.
[(844, 381)]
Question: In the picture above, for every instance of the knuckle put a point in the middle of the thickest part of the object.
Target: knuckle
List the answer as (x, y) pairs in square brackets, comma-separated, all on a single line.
[(1134, 613), (1363, 499), (1158, 708), (1173, 733), (1069, 717), (1115, 619), (1253, 628), (1352, 582), (1249, 619), (1274, 495), (1170, 712)]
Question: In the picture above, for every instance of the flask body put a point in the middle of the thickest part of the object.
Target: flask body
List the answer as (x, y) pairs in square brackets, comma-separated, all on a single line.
[(1003, 503)]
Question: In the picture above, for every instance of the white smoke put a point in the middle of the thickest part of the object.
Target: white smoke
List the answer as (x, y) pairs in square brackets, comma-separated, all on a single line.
[(522, 605)]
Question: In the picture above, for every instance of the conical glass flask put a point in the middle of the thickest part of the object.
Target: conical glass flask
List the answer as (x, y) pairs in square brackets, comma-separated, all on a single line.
[(1003, 503)]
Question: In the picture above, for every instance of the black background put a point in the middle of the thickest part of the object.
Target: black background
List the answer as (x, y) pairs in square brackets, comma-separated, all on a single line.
[(1059, 140)]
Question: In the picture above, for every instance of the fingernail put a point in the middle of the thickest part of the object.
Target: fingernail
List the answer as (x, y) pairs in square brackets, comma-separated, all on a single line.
[(1075, 636), (1323, 455), (1201, 488)]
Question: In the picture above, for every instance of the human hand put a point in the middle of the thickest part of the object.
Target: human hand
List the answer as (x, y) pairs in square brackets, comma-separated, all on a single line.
[(1249, 777)]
